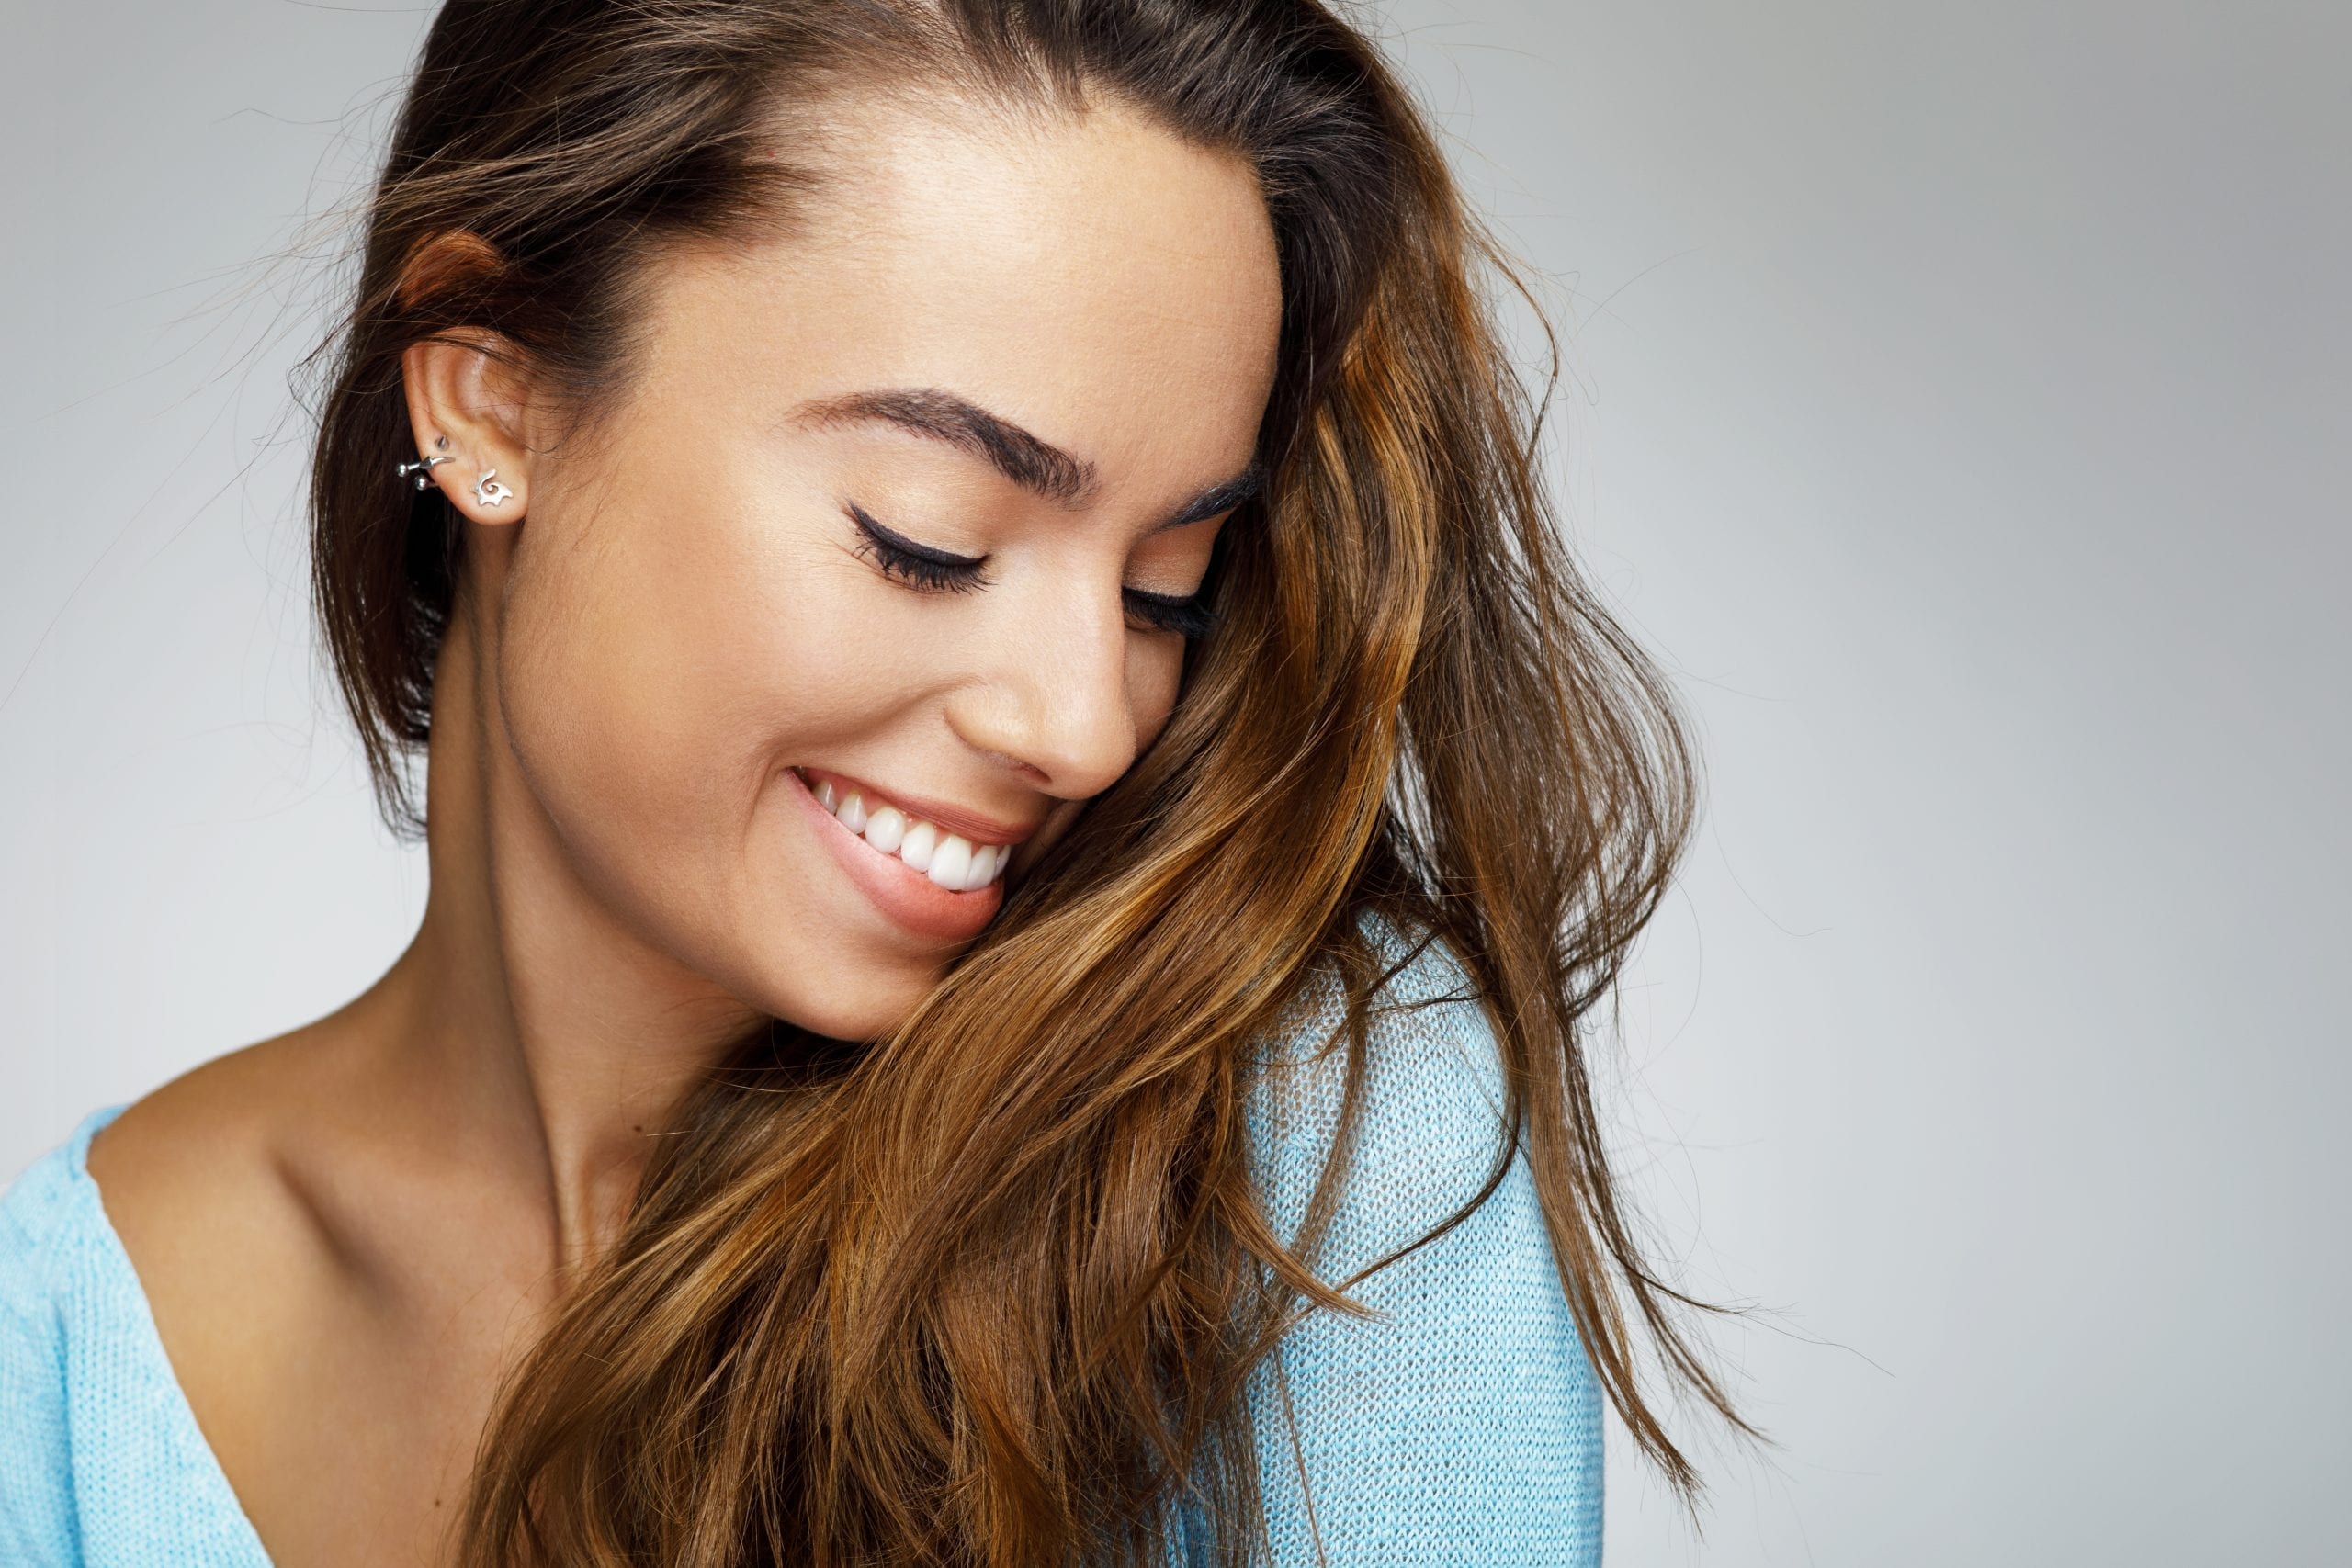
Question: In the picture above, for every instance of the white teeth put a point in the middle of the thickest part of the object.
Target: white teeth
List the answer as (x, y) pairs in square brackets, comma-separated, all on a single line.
[(951, 863), (886, 827), (950, 860)]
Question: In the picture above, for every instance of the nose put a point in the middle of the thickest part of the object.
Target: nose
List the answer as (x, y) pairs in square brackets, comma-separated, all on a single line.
[(1055, 698)]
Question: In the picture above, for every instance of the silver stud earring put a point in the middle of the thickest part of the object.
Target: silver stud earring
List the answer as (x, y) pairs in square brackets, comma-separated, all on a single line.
[(488, 491)]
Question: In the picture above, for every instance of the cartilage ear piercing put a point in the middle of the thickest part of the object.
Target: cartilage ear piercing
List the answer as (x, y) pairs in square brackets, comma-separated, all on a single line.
[(423, 470), (488, 491)]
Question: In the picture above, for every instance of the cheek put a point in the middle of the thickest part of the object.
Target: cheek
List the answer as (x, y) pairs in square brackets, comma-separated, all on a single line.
[(653, 713), (657, 665), (607, 657)]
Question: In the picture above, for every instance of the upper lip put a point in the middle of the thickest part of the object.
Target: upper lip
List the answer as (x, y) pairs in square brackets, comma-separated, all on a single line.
[(957, 820)]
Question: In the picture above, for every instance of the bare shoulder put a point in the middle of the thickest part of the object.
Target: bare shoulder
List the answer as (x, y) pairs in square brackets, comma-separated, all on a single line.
[(198, 1161), (195, 1181)]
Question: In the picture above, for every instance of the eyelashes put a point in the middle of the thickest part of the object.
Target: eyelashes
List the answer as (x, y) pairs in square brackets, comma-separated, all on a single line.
[(1189, 617), (918, 566), (929, 571)]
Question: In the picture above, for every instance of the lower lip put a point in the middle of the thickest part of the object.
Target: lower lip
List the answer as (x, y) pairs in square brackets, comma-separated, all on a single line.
[(897, 889)]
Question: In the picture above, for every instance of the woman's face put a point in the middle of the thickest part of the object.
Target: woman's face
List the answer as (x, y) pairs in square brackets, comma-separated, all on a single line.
[(1043, 352)]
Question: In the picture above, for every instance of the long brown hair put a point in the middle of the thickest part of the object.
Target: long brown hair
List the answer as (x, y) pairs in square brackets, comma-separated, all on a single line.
[(987, 1289)]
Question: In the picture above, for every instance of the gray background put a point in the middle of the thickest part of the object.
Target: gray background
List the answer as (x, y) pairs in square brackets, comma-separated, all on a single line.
[(1954, 397)]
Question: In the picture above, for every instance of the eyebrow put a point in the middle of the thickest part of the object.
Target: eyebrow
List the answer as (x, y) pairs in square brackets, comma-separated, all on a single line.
[(1029, 461)]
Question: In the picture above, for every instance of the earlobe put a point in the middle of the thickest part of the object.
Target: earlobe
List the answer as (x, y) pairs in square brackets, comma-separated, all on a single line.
[(489, 491)]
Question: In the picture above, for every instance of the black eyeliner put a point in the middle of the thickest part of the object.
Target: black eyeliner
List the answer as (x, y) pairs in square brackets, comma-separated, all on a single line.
[(915, 564), (924, 567), (905, 546)]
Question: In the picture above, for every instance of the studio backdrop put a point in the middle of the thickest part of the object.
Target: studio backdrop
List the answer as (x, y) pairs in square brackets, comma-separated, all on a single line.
[(1955, 398)]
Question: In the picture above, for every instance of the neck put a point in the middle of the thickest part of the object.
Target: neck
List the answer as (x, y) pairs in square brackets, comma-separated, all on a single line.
[(529, 1021)]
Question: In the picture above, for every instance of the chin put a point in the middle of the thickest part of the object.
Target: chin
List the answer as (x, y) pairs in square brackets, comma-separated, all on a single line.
[(860, 995)]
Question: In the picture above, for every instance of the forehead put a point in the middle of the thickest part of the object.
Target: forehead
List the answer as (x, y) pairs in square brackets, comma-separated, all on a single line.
[(1102, 283)]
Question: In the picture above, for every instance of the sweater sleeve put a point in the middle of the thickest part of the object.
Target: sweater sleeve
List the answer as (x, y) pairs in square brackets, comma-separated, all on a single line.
[(1463, 1423), (38, 1527)]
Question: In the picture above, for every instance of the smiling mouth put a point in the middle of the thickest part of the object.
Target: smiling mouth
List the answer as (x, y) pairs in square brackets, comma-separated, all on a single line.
[(951, 861)]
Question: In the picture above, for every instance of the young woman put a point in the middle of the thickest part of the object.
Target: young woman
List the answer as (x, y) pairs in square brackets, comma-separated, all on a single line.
[(1019, 796)]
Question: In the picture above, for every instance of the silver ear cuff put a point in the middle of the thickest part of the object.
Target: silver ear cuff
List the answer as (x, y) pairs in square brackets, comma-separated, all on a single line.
[(423, 466), (423, 470)]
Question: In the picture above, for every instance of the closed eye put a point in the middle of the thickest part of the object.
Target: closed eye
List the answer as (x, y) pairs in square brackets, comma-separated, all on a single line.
[(1189, 616), (928, 569), (917, 565)]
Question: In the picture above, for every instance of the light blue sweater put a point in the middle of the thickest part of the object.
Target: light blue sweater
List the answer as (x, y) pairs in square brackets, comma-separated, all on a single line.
[(1461, 1426)]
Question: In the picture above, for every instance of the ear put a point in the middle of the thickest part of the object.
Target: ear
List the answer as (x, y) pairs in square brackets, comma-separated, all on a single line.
[(468, 393)]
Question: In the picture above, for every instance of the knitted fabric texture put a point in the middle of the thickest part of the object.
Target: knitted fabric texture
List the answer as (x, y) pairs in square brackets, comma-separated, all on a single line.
[(1461, 1426)]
